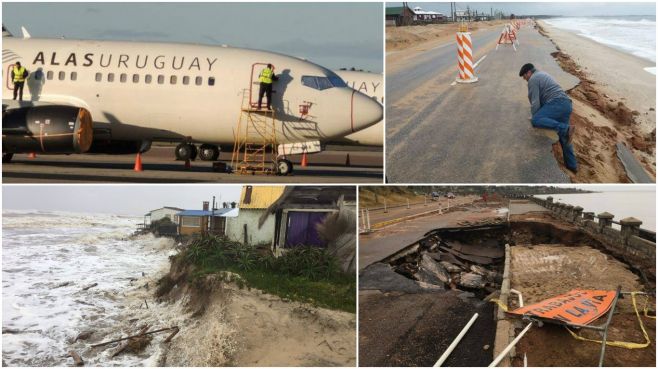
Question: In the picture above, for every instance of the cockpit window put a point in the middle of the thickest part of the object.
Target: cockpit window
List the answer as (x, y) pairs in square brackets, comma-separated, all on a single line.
[(322, 83)]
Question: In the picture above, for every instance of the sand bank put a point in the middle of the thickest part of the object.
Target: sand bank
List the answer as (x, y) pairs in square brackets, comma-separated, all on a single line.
[(414, 39), (615, 102)]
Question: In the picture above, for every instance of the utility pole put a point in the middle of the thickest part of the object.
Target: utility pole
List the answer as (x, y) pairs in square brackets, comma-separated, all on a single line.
[(451, 11)]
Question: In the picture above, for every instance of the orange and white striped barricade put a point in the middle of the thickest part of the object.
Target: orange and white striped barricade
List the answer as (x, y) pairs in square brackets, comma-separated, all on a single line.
[(507, 37), (465, 58)]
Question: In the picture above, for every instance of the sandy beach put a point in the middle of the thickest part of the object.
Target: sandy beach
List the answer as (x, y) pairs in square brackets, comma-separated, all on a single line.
[(615, 102)]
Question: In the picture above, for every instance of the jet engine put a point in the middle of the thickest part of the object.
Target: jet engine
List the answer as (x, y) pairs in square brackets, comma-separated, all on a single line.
[(52, 129)]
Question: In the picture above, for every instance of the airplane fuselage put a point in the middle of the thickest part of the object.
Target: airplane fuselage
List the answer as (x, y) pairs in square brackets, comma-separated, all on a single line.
[(171, 92)]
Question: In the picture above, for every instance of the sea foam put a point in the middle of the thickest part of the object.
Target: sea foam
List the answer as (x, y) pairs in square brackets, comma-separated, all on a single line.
[(635, 35)]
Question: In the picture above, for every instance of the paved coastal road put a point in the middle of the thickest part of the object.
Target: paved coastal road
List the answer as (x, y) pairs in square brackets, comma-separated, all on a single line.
[(397, 212), (473, 133), (160, 167)]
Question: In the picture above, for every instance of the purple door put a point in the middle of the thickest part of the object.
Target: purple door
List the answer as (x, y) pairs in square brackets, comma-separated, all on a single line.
[(301, 229)]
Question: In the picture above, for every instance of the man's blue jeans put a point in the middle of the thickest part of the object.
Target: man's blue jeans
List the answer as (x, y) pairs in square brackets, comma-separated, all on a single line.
[(555, 115)]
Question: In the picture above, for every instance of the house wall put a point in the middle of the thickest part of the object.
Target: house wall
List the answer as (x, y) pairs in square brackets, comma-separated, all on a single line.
[(250, 217), (162, 213)]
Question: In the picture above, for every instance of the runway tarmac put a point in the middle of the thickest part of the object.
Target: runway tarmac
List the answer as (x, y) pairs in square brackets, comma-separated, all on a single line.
[(160, 167)]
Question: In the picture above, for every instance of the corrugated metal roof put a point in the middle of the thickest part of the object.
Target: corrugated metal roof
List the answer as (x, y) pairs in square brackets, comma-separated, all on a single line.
[(223, 212), (259, 197)]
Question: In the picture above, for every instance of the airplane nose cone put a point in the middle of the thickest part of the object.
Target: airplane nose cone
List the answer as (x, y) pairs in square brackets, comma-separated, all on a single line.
[(365, 111)]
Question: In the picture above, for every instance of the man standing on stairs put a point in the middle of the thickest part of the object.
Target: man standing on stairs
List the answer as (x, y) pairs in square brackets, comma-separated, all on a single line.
[(551, 109), (266, 78), (18, 76)]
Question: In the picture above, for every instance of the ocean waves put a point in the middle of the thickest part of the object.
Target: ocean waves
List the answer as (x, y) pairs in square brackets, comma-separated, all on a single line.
[(635, 35)]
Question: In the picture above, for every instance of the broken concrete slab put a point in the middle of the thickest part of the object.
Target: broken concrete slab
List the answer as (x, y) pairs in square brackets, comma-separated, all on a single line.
[(435, 268), (380, 276), (451, 268), (471, 280), (491, 250), (633, 167), (472, 258)]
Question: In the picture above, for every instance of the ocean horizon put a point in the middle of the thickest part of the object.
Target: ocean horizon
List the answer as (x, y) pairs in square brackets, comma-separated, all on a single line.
[(623, 204)]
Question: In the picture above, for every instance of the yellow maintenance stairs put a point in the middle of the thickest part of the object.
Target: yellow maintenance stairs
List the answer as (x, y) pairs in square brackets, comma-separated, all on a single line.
[(255, 150)]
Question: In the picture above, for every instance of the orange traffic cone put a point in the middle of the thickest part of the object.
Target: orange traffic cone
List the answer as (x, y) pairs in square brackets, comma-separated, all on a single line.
[(32, 156), (347, 160), (138, 163), (188, 165), (304, 160)]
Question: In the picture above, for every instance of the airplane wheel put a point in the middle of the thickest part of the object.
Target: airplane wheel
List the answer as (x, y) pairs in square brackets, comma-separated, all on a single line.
[(7, 156), (184, 151), (208, 152), (195, 152), (284, 167)]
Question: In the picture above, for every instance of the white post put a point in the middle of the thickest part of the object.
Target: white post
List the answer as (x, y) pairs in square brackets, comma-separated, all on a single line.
[(368, 218), (407, 203), (456, 341), (507, 349)]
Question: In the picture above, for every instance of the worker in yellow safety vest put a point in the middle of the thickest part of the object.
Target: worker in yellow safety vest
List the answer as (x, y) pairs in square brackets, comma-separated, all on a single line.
[(266, 78), (18, 75)]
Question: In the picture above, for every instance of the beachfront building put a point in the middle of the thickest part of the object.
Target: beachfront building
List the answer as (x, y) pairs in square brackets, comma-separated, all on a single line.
[(427, 16), (299, 211), (399, 16), (254, 201), (168, 212), (405, 16), (205, 221)]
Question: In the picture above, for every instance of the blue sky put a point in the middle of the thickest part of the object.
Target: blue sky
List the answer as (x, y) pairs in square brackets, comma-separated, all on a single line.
[(546, 8), (334, 35)]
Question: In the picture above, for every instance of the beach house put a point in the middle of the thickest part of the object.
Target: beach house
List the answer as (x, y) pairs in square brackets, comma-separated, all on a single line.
[(168, 212), (205, 221), (254, 201), (299, 210)]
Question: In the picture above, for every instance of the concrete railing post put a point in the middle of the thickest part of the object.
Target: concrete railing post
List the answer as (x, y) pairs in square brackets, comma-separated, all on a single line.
[(577, 214), (588, 215), (568, 209), (605, 220), (549, 202), (630, 227)]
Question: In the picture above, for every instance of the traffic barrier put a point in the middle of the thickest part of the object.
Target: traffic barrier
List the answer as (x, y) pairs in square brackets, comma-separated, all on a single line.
[(508, 37), (465, 56), (138, 163)]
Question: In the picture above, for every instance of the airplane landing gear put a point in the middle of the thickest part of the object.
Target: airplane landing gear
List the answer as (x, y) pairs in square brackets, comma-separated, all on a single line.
[(284, 167), (208, 152), (7, 156), (186, 151)]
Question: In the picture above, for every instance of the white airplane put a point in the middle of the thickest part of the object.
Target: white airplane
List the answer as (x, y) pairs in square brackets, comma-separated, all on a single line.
[(372, 85), (119, 97)]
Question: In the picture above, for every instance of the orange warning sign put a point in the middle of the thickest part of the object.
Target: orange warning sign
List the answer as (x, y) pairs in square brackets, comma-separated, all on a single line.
[(575, 307)]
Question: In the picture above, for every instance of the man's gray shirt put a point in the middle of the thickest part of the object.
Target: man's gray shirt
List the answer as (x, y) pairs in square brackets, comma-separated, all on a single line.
[(542, 88)]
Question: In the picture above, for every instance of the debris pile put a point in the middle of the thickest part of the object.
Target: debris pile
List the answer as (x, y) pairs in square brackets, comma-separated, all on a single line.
[(474, 265)]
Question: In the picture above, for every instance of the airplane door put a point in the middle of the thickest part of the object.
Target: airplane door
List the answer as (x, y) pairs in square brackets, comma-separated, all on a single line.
[(254, 84)]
